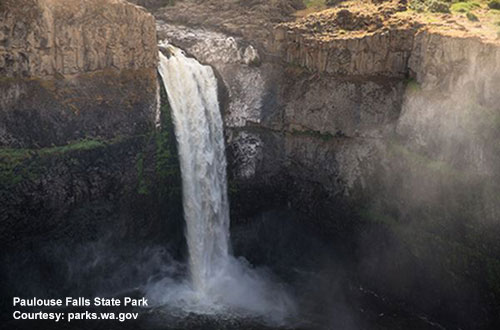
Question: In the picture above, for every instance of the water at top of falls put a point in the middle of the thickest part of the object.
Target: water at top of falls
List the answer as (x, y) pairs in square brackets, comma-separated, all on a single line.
[(192, 93), (218, 281)]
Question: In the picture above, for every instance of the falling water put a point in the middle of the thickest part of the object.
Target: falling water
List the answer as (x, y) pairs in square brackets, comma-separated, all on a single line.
[(192, 93), (219, 282)]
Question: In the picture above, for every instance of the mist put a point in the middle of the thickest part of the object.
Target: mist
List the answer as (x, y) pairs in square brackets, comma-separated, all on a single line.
[(434, 210)]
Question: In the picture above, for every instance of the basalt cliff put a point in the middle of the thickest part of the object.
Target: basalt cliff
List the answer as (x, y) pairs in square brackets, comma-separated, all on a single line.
[(67, 54), (374, 120), (81, 127)]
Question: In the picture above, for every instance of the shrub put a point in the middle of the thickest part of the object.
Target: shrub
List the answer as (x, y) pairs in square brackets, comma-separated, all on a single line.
[(494, 4), (417, 5), (465, 6), (413, 86), (437, 6), (472, 17)]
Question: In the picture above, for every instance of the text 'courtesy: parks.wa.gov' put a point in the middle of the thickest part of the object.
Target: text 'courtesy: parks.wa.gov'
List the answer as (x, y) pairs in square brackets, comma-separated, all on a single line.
[(64, 310)]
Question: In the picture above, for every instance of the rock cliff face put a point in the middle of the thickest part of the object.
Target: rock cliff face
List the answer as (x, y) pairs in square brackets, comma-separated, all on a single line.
[(78, 119), (365, 40), (253, 20), (381, 53), (78, 69), (43, 38), (455, 104), (104, 104), (444, 62), (378, 128)]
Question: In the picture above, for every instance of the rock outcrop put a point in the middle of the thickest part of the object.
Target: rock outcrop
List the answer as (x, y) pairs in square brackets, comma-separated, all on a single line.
[(440, 61), (77, 69), (45, 38), (375, 126), (379, 128), (365, 40), (453, 111), (381, 53), (79, 117), (253, 20)]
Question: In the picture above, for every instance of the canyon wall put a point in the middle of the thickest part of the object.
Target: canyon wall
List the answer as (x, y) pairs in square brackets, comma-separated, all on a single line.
[(403, 163), (78, 70), (383, 139), (42, 38), (82, 133), (383, 53)]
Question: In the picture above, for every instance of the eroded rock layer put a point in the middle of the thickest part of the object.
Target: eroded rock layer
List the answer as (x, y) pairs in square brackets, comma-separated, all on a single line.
[(41, 38), (379, 129), (79, 115), (74, 69)]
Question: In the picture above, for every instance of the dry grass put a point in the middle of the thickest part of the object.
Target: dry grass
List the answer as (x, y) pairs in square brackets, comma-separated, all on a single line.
[(456, 23), (312, 6)]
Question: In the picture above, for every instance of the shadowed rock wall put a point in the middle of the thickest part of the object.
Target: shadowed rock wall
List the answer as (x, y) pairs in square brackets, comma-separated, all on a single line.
[(73, 69)]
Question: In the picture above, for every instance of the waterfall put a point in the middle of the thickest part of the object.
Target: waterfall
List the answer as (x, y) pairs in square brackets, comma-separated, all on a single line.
[(219, 282), (192, 93)]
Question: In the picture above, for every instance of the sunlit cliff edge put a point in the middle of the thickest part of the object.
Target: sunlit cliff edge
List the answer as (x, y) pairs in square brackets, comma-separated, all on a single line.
[(47, 37)]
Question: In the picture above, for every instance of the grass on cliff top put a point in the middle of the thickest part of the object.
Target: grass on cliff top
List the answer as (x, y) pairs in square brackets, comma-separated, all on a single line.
[(476, 17), (311, 6), (466, 6), (12, 170), (454, 17)]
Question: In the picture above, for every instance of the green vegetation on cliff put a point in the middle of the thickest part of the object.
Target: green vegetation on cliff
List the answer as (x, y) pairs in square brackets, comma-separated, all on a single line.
[(413, 86), (17, 164), (314, 134), (494, 4), (443, 6), (167, 161), (485, 11), (161, 157), (464, 6)]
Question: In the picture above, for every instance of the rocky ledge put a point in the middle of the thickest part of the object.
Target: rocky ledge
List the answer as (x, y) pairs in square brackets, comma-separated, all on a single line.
[(73, 70), (365, 38), (41, 38), (377, 125), (79, 117)]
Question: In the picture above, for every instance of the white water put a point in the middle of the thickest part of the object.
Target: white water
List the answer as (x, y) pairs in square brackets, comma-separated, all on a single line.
[(218, 281), (192, 92)]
